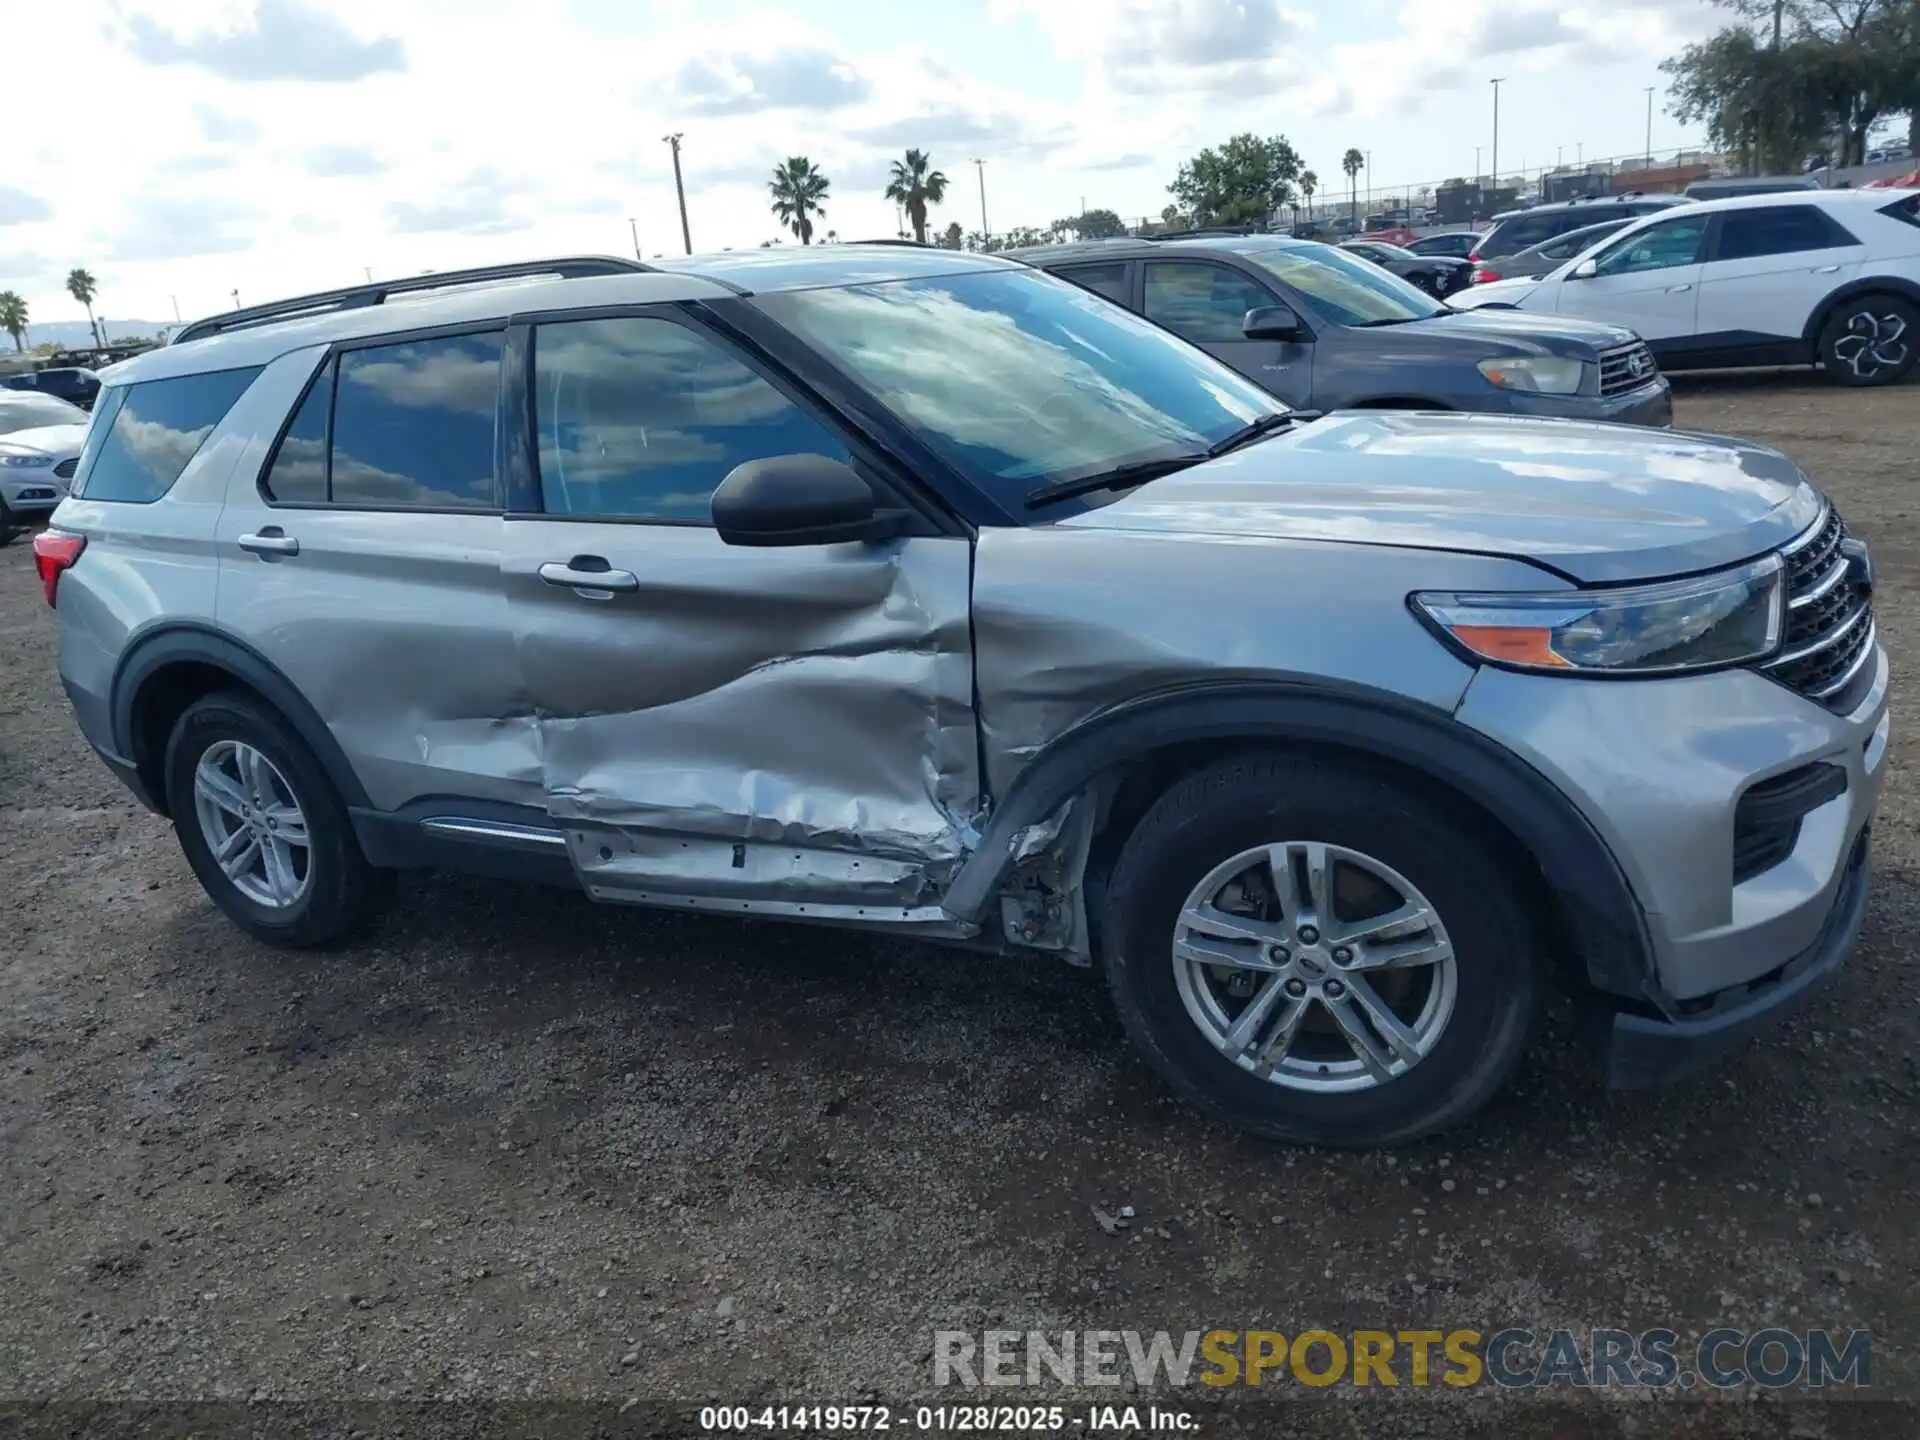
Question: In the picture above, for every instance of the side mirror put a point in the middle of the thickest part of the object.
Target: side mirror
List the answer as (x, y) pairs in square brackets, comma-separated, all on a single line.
[(799, 500), (1271, 322), (1585, 270)]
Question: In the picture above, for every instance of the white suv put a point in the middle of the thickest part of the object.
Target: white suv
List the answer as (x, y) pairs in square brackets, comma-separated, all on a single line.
[(1826, 276)]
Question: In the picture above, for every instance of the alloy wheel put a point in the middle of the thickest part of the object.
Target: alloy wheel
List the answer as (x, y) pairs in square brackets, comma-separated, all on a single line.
[(1872, 344), (253, 825)]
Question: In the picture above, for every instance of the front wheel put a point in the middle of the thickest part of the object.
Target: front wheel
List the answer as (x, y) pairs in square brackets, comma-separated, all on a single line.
[(1870, 340), (1319, 953)]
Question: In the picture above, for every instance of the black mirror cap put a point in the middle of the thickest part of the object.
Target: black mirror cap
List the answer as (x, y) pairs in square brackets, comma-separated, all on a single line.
[(1271, 322), (798, 500)]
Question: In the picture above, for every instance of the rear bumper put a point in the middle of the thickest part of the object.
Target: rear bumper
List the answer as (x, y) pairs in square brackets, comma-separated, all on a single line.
[(1645, 1050)]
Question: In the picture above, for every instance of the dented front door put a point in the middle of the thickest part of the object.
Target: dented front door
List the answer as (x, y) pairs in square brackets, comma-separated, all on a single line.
[(785, 730)]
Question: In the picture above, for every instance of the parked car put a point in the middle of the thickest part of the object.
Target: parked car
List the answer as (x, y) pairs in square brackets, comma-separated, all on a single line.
[(1518, 230), (1728, 186), (920, 592), (40, 440), (1899, 150), (1456, 243), (1827, 277), (73, 383), (1333, 331), (1438, 275), (1547, 256)]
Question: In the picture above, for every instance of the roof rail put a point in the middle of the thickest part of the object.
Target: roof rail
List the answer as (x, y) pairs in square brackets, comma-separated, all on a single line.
[(893, 240), (355, 297), (1204, 230)]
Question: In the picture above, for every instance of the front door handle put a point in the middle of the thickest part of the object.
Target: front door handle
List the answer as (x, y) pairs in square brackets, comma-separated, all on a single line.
[(1826, 270), (1678, 289), (588, 572), (271, 540)]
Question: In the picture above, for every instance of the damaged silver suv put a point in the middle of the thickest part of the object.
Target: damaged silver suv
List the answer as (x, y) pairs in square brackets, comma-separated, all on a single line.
[(923, 592)]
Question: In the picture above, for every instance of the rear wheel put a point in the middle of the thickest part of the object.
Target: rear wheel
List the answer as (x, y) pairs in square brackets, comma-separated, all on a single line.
[(9, 525), (1318, 953), (1870, 340), (262, 826)]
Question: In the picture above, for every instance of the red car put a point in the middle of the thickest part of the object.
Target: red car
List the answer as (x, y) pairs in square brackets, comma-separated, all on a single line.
[(1392, 235)]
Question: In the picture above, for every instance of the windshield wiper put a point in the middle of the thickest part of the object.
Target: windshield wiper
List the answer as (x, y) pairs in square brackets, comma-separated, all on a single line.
[(1118, 478), (1252, 431)]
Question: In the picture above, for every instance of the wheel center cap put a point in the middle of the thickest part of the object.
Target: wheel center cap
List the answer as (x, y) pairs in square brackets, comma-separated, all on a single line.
[(1310, 966)]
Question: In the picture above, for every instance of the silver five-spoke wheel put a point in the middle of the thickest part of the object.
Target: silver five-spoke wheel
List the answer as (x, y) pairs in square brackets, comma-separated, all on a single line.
[(253, 824), (1314, 966)]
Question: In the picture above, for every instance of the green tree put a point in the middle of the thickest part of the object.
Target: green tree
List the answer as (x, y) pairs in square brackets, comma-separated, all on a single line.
[(1309, 182), (1247, 178), (916, 185), (1353, 162), (1093, 225), (84, 288), (952, 237), (13, 318), (797, 189)]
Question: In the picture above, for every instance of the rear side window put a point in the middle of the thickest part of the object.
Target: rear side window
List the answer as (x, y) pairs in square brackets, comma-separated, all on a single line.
[(1107, 280), (408, 426), (150, 432), (1777, 230)]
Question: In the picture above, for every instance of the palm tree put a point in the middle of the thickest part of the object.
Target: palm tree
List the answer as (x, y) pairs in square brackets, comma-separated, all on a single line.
[(13, 317), (1309, 182), (916, 185), (83, 287), (1353, 162), (797, 190)]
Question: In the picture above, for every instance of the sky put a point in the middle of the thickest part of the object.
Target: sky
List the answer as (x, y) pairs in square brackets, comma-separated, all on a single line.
[(183, 150)]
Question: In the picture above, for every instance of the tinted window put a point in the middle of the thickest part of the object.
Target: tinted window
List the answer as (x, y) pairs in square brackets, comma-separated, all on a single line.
[(1776, 230), (154, 430), (1206, 304), (1345, 288), (413, 424), (645, 418), (1658, 247), (1524, 232), (1107, 280), (30, 411), (298, 475), (1054, 382)]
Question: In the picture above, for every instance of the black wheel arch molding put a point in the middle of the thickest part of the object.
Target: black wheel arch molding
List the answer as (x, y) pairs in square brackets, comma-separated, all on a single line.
[(156, 647), (1865, 285), (1607, 926)]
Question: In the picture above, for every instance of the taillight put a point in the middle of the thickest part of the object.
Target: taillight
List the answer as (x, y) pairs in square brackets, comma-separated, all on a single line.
[(1474, 256), (54, 551), (1482, 275)]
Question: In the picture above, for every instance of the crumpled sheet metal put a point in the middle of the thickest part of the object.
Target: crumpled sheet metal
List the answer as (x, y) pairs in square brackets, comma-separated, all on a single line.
[(844, 767)]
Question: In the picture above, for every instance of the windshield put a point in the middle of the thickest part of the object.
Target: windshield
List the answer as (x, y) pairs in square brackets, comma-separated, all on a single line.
[(28, 412), (1023, 380), (1345, 288)]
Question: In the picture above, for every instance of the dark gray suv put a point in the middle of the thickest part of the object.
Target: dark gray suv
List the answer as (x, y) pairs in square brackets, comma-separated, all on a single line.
[(1326, 330)]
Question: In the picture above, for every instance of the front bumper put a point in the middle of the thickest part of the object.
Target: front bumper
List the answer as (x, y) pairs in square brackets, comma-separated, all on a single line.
[(32, 494), (1650, 404), (1648, 1050)]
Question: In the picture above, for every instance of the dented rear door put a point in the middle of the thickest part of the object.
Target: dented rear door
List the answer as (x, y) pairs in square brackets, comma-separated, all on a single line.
[(783, 730)]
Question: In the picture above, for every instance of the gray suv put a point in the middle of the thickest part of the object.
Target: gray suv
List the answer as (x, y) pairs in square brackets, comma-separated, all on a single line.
[(923, 593), (1326, 329)]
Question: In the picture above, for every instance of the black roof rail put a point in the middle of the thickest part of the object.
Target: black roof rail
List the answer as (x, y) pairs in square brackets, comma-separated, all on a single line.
[(1204, 230), (355, 297)]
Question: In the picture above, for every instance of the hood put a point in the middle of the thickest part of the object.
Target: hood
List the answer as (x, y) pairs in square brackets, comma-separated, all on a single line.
[(59, 441), (1598, 503), (1525, 331), (1507, 292)]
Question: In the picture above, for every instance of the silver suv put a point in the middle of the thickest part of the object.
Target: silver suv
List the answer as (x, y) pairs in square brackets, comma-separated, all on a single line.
[(926, 593)]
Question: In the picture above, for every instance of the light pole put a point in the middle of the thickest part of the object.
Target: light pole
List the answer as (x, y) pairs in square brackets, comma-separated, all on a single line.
[(1649, 127), (679, 189), (236, 299), (1496, 132), (633, 227), (176, 308), (1369, 169), (1476, 164), (980, 166)]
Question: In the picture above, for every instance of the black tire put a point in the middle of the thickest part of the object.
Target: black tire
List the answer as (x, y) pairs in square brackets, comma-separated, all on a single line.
[(1253, 800), (342, 887), (9, 526), (1870, 340)]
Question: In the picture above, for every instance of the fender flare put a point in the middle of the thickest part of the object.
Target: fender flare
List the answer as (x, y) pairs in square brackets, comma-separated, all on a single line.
[(1868, 285), (1607, 922), (177, 642)]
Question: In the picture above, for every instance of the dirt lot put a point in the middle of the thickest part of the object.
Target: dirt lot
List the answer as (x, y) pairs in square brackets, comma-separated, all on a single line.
[(514, 1146)]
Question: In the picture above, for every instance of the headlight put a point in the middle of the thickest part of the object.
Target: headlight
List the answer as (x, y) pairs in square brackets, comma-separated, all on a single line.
[(1726, 618), (10, 462), (1540, 374)]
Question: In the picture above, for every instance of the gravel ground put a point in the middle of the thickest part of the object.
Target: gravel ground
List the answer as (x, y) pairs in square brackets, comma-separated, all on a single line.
[(512, 1146)]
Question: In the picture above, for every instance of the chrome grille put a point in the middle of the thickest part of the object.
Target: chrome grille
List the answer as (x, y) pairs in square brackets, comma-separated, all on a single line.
[(1828, 645), (1627, 368), (64, 470)]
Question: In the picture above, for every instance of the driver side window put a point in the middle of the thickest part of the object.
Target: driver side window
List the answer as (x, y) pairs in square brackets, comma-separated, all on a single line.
[(1658, 247)]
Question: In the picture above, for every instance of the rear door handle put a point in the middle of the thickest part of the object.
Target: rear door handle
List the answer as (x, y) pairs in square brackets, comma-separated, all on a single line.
[(1677, 289), (588, 572), (270, 541), (1826, 270)]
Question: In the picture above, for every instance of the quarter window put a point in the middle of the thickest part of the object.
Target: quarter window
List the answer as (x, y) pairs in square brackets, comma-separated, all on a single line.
[(151, 432), (1777, 230), (1658, 247), (1206, 304), (642, 419), (1107, 280)]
